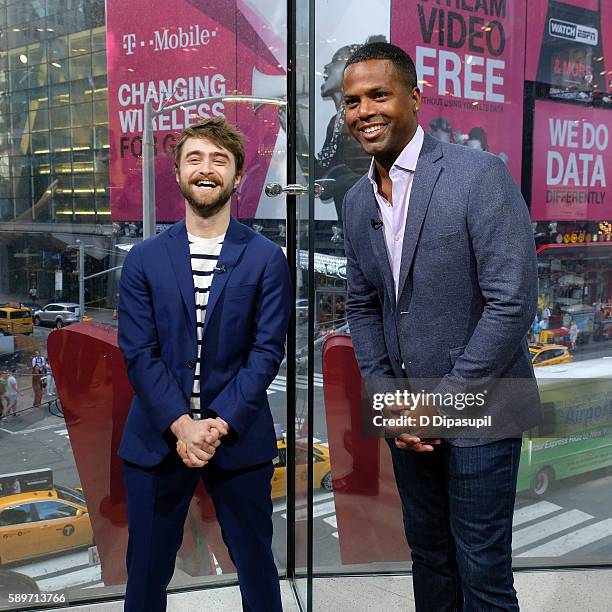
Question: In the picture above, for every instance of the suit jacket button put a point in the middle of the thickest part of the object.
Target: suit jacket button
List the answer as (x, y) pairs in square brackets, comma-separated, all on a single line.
[(191, 364)]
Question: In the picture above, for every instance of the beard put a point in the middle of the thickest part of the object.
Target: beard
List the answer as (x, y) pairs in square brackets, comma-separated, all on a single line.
[(201, 207)]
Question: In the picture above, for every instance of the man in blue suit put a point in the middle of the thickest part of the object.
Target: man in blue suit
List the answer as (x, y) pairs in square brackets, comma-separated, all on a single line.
[(203, 314), (442, 288)]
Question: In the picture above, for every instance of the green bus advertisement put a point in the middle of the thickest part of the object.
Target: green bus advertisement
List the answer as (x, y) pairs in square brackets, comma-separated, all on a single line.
[(575, 436)]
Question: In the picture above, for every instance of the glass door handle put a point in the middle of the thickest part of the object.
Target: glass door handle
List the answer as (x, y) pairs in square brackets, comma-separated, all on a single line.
[(275, 189)]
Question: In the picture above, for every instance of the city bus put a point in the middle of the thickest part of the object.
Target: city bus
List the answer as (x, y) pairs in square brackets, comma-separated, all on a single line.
[(575, 436)]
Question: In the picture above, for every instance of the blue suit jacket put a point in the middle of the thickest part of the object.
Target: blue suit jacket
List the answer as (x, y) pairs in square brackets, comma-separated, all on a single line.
[(243, 343), (467, 288)]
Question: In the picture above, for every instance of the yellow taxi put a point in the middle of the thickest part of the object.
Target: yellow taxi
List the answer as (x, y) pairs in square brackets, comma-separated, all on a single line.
[(45, 521), (549, 354), (321, 468), (15, 319)]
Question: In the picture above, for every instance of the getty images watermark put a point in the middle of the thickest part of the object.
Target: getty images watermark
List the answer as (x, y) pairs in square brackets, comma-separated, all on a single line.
[(404, 400)]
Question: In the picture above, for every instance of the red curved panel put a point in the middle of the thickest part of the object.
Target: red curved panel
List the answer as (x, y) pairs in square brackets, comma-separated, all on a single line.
[(368, 509), (95, 393)]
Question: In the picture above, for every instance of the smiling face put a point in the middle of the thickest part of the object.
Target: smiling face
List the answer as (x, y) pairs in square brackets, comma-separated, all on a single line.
[(380, 108), (206, 174)]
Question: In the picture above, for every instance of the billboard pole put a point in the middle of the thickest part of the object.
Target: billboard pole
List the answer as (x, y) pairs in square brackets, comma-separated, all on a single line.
[(148, 149), (148, 174)]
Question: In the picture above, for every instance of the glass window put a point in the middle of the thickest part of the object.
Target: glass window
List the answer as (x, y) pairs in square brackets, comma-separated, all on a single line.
[(60, 117), (16, 515), (81, 114), (59, 71), (98, 61), (80, 66), (49, 510)]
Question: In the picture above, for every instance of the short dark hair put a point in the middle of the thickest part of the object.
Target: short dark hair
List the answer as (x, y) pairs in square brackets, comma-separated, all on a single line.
[(386, 51), (218, 131)]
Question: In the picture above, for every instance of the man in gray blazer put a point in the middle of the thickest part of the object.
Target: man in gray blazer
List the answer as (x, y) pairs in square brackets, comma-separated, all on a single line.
[(442, 285)]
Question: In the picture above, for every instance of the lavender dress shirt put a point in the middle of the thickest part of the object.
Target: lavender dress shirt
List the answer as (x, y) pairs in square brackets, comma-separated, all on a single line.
[(393, 215)]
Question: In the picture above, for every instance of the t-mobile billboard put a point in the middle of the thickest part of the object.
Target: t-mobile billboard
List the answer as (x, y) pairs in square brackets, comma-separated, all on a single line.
[(171, 53), (570, 163)]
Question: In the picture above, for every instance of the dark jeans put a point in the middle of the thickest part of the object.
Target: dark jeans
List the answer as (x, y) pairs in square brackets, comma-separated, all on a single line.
[(458, 504)]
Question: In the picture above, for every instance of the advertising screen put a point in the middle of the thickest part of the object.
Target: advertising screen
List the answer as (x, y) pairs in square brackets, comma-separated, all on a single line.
[(469, 57), (571, 163), (569, 47), (171, 53)]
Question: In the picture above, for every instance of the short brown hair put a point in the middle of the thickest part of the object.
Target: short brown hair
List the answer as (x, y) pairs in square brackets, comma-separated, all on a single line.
[(218, 131)]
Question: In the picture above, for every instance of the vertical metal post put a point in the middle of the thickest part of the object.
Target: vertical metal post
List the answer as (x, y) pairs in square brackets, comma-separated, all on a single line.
[(148, 174), (81, 280), (291, 258)]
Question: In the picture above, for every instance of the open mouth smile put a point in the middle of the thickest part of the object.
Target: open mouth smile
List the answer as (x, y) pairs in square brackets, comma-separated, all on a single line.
[(206, 185), (371, 132)]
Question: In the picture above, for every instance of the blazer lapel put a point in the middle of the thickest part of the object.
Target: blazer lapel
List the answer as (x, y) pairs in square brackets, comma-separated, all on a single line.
[(423, 183), (233, 246), (178, 249), (377, 239)]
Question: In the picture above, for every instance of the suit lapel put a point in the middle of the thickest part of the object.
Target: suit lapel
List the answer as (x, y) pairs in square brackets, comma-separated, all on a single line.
[(233, 246), (423, 183), (377, 239), (177, 246)]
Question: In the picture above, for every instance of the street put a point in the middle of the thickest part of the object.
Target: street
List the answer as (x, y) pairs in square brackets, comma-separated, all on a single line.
[(572, 523)]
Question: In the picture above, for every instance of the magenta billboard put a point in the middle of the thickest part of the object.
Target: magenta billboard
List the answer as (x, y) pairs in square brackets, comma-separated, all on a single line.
[(171, 53), (571, 161), (469, 58)]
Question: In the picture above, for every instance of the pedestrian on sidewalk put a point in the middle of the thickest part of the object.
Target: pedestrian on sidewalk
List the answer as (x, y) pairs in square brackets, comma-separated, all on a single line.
[(50, 388), (573, 335), (3, 387), (12, 393), (38, 371), (33, 293)]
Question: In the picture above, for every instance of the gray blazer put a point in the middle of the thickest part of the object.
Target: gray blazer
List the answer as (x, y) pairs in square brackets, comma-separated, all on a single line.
[(467, 289)]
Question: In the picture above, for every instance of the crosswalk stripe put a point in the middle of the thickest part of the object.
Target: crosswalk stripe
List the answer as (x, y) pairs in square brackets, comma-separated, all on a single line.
[(282, 506), (331, 520), (316, 376), (301, 381), (533, 511), (571, 541), (548, 527), (72, 579), (324, 508), (38, 569), (318, 510)]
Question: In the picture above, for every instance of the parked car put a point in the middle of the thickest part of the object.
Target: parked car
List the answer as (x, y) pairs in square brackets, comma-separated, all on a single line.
[(58, 314), (39, 519), (33, 306), (15, 319), (549, 354), (321, 476)]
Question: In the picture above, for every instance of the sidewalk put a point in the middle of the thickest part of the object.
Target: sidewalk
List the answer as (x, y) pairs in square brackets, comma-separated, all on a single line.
[(538, 591)]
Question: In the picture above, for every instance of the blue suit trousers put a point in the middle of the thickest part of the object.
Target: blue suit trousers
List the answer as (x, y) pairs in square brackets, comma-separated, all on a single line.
[(158, 500)]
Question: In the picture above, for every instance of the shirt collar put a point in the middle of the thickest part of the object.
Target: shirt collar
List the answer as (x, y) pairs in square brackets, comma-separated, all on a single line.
[(407, 159)]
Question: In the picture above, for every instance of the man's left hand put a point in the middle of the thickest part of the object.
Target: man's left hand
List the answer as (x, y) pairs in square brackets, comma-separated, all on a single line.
[(417, 437)]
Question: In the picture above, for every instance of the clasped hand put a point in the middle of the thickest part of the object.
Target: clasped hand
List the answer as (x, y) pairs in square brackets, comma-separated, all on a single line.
[(411, 438), (197, 440)]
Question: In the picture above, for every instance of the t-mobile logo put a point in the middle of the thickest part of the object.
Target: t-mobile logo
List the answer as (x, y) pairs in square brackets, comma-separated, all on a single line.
[(129, 42)]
